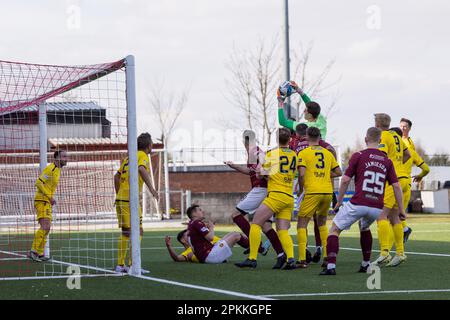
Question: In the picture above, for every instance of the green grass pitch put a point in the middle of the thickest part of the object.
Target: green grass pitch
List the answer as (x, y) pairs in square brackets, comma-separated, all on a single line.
[(425, 275)]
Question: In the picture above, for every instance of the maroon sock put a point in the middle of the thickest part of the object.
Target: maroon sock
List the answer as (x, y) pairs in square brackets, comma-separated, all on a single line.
[(317, 233), (366, 244), (275, 241), (243, 224), (332, 248), (243, 242)]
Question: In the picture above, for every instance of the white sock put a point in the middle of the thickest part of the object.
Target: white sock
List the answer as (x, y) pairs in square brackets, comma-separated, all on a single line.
[(365, 263), (405, 229), (331, 266)]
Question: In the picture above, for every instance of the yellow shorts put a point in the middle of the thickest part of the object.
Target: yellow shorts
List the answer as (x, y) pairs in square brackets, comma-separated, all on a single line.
[(281, 204), (407, 195), (43, 210), (389, 196), (315, 204), (124, 216)]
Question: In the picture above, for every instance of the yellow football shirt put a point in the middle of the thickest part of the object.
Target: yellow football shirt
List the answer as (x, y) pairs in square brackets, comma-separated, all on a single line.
[(409, 143), (406, 168), (124, 189), (393, 145), (281, 164), (189, 254), (47, 183), (319, 162)]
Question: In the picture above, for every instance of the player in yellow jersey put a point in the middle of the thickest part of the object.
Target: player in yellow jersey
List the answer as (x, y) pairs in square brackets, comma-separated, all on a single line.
[(396, 150), (44, 199), (406, 171), (405, 126), (122, 188), (187, 255), (280, 166), (317, 167)]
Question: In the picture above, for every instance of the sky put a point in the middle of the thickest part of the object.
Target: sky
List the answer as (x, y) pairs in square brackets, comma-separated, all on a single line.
[(391, 56)]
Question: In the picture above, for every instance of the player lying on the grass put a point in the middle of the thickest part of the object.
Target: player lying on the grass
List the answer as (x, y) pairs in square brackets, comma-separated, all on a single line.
[(371, 169), (311, 113), (257, 194), (405, 126), (187, 255), (280, 166), (405, 171), (201, 234), (44, 199), (298, 144), (396, 150), (317, 169), (122, 187)]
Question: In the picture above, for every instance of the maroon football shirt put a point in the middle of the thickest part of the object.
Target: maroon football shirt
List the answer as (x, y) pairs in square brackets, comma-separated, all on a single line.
[(197, 230), (252, 163), (301, 143), (371, 169)]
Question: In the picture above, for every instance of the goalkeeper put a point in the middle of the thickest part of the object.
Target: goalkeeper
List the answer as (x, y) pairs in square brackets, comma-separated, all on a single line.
[(311, 114)]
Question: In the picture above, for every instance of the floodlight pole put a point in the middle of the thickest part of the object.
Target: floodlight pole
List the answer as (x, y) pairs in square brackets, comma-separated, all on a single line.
[(42, 109), (287, 61), (133, 165)]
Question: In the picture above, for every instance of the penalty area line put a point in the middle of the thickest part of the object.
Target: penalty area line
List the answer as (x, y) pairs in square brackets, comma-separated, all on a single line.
[(355, 293)]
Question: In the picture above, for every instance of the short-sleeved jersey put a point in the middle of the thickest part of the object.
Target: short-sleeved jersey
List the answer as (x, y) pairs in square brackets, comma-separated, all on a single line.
[(255, 157), (393, 145), (409, 143), (189, 254), (319, 162), (371, 169), (48, 181), (197, 230), (281, 165), (406, 168), (124, 189)]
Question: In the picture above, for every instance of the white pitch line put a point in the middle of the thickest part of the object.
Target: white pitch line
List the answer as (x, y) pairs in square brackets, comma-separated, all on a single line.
[(353, 293), (180, 284), (191, 286), (62, 277)]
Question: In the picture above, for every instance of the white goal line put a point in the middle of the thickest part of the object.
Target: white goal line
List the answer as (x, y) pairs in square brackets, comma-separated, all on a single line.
[(318, 294)]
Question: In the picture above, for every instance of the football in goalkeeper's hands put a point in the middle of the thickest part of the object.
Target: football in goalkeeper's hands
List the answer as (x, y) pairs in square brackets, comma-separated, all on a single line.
[(285, 89)]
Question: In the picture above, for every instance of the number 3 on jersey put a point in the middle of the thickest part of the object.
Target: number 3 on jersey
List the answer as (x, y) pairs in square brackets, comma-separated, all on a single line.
[(374, 182), (284, 162)]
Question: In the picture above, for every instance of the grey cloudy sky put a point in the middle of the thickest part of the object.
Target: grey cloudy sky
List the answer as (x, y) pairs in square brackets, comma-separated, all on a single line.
[(402, 68)]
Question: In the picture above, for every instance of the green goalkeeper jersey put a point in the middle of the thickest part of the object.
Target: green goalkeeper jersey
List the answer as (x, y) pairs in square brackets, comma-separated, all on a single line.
[(320, 123)]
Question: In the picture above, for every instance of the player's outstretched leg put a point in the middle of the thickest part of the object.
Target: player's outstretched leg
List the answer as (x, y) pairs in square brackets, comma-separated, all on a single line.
[(243, 224), (262, 214)]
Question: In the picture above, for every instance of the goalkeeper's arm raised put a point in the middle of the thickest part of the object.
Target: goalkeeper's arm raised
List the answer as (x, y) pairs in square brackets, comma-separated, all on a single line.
[(319, 120)]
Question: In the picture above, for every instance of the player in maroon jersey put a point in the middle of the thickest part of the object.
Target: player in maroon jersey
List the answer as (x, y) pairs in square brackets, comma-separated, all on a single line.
[(371, 169), (255, 197), (201, 234), (298, 144)]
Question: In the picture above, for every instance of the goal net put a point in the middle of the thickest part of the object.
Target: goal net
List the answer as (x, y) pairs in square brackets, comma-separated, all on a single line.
[(89, 112)]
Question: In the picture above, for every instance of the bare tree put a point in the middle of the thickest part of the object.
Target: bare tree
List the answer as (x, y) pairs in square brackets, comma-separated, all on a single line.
[(253, 80), (167, 106), (317, 85), (254, 76)]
